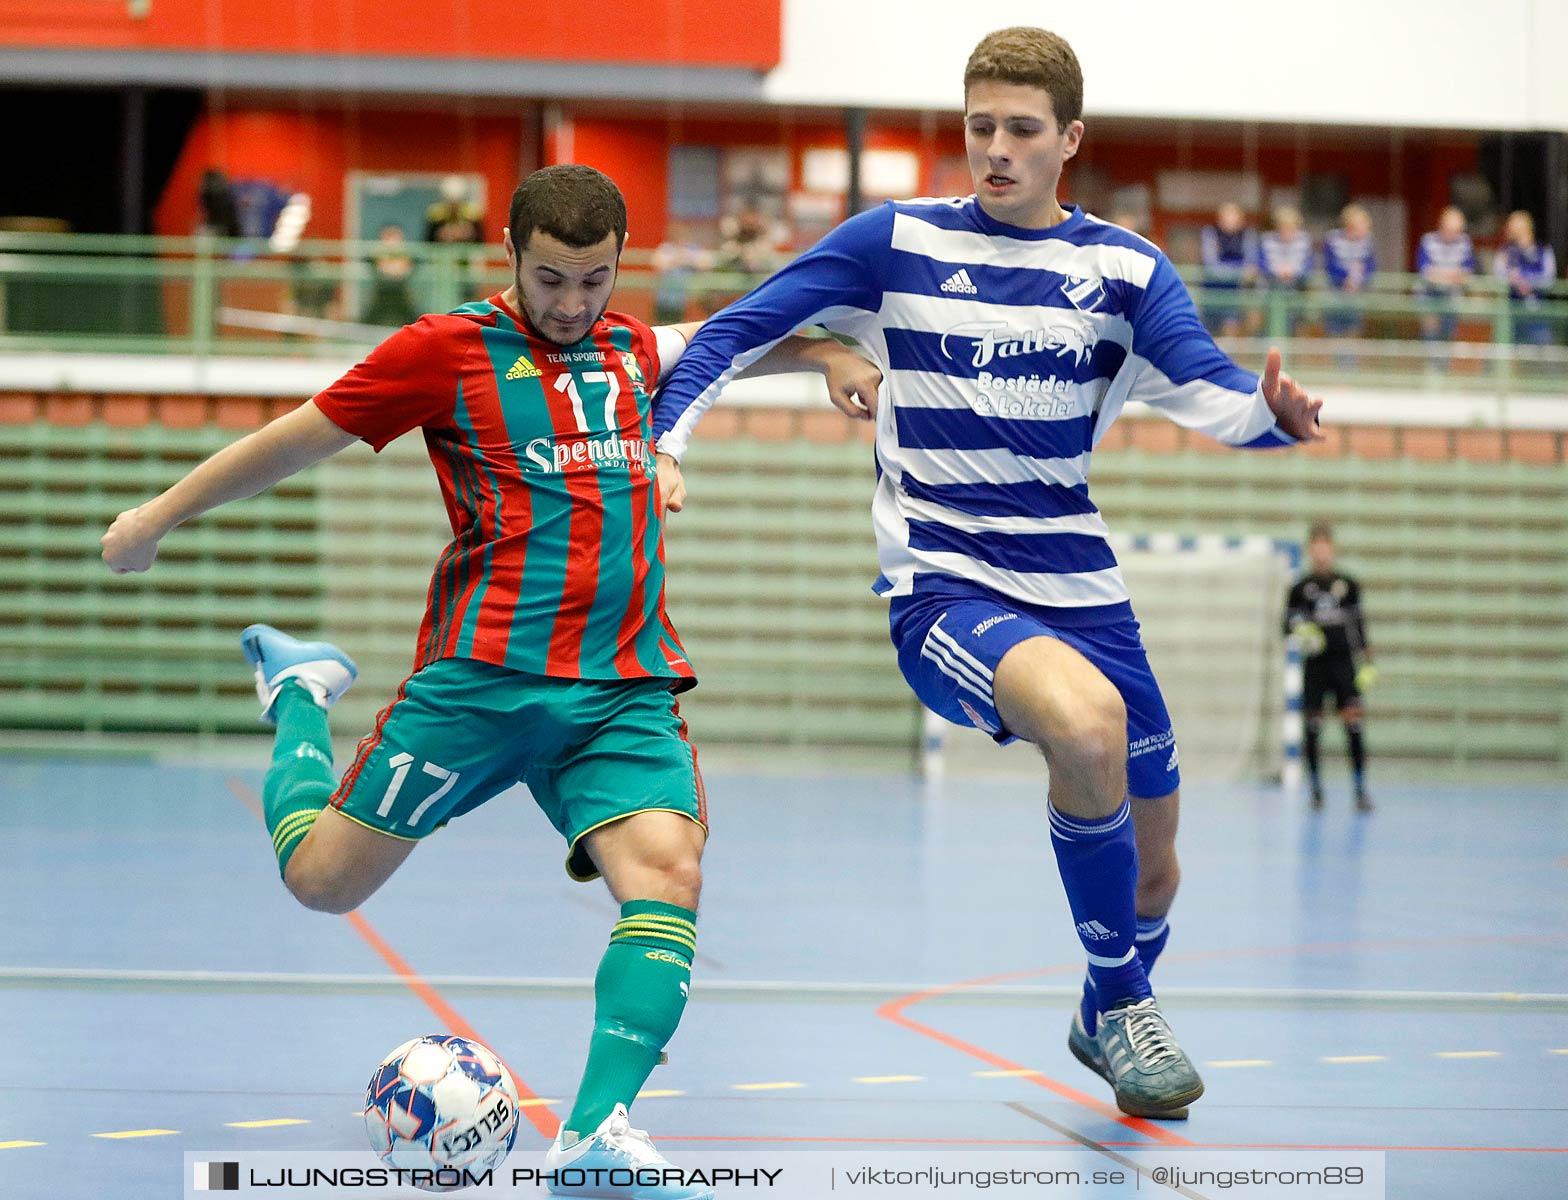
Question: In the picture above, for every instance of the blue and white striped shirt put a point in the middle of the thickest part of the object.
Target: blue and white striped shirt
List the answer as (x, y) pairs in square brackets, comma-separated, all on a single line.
[(1006, 354), (1286, 259), (1537, 268), (1347, 259), (1438, 253), (1227, 256)]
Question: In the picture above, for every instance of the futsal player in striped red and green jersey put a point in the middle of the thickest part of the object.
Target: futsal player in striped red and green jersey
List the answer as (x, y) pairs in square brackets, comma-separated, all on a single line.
[(545, 655)]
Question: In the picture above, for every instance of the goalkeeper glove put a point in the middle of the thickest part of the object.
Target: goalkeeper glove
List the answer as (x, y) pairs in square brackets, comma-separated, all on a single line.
[(1366, 677), (1309, 639)]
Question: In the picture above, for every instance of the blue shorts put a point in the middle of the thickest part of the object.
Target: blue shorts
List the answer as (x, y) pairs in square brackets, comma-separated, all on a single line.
[(949, 644)]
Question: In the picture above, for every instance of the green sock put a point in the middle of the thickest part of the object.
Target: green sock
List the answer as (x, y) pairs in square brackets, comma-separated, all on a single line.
[(300, 780), (639, 995)]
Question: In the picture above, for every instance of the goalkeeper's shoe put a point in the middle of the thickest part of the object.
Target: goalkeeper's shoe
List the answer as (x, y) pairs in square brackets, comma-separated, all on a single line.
[(1150, 1072), (324, 670), (1085, 1048)]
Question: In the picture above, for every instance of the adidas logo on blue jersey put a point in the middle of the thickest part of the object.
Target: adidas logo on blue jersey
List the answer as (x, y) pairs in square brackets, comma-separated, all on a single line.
[(959, 281)]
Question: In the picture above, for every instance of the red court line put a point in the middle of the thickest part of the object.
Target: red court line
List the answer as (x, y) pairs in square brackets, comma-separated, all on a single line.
[(894, 1011), (542, 1119)]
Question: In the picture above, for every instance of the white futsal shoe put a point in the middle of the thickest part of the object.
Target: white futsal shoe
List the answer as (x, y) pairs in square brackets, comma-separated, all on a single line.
[(585, 1167), (324, 670)]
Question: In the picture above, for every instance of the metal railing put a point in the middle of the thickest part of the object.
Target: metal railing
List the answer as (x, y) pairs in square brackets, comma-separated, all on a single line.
[(207, 296)]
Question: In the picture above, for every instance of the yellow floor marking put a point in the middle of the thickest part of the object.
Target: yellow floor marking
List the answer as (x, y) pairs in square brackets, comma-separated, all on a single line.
[(265, 1124), (1018, 1074), (130, 1133), (659, 1094), (18, 1145), (536, 1102), (1240, 1062), (1469, 1054), (765, 1087), (1564, 1051), (890, 1079), (1354, 1058)]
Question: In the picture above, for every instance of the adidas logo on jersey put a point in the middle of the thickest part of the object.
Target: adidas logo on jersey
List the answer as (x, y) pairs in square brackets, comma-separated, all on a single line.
[(1094, 930), (523, 369), (959, 281)]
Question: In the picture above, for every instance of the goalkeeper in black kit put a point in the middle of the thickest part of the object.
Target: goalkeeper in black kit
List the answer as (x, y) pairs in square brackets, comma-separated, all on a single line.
[(1323, 617)]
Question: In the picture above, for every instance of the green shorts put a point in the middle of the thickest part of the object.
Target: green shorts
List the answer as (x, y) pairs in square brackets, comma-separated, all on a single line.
[(461, 731)]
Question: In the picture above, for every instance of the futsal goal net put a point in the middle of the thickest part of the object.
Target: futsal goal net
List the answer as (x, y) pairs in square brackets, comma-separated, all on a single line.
[(1210, 610)]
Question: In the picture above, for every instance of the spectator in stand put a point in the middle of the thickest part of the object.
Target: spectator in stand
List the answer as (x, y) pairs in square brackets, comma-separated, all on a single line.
[(1530, 270), (454, 218), (1230, 263), (1285, 257), (676, 264), (220, 216), (1349, 263), (749, 249), (391, 291), (1132, 219), (1445, 262)]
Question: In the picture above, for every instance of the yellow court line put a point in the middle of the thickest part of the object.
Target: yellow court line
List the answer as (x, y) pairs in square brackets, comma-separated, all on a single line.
[(1354, 1058), (19, 1145), (1469, 1054), (266, 1124), (1022, 1073), (1563, 1051), (535, 1102), (659, 1094), (1240, 1062), (890, 1079), (135, 1133), (765, 1087)]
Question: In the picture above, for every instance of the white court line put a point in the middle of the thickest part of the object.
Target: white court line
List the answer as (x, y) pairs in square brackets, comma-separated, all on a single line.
[(783, 989)]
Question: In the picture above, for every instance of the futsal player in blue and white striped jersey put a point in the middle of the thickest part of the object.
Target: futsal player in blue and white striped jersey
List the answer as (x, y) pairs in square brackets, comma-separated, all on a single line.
[(1010, 332)]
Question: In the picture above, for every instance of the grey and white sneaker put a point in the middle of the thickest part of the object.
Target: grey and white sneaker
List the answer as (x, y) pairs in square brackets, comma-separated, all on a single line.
[(1086, 1049), (1139, 1057)]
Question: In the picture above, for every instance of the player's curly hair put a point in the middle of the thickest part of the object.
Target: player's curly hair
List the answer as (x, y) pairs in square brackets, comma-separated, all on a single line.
[(572, 203), (1033, 57)]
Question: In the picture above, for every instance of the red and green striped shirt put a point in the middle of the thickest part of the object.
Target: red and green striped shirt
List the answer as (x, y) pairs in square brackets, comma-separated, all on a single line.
[(545, 456)]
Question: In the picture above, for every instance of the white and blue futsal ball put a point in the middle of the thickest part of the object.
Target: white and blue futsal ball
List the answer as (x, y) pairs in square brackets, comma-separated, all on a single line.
[(442, 1104)]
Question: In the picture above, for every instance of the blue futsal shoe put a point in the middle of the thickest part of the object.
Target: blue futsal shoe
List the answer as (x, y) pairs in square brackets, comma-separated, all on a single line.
[(616, 1162), (324, 670)]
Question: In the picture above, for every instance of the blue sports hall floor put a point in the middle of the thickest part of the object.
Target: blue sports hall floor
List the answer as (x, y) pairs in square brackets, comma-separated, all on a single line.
[(880, 966)]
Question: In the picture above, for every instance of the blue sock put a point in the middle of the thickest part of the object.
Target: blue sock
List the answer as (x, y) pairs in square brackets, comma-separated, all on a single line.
[(1153, 933), (1098, 861)]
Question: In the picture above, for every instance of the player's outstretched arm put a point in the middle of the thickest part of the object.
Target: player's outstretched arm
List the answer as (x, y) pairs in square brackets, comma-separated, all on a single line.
[(253, 464)]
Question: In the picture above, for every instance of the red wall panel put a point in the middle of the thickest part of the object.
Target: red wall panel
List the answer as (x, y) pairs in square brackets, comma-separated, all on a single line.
[(312, 151), (713, 33)]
